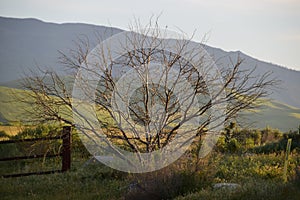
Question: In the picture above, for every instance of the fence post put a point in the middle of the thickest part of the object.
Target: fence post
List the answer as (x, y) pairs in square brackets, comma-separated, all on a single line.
[(66, 150), (286, 159)]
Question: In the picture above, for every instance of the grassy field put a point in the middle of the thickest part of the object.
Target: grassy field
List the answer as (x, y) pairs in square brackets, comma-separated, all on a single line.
[(260, 177), (83, 183)]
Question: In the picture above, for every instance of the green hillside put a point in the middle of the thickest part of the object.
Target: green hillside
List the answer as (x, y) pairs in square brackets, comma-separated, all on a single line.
[(272, 113), (12, 110), (276, 115)]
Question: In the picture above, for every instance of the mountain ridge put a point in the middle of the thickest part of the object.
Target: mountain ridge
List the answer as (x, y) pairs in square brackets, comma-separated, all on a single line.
[(27, 41)]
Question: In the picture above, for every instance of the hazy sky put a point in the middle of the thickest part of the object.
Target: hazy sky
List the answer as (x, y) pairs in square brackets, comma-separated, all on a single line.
[(265, 29)]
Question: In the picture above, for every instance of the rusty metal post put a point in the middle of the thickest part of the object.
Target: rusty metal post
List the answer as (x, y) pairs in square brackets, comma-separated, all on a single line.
[(66, 150)]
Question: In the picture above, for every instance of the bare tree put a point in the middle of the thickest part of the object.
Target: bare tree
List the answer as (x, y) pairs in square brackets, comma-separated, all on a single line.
[(166, 91)]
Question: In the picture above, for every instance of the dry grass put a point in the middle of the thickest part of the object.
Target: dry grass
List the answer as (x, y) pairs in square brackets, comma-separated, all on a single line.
[(11, 130)]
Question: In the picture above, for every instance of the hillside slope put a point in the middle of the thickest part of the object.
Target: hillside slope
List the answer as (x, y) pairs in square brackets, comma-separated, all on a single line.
[(26, 43), (287, 92), (273, 114)]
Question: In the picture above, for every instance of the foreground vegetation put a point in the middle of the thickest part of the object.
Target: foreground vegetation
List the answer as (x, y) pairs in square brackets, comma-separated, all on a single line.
[(252, 160), (99, 182)]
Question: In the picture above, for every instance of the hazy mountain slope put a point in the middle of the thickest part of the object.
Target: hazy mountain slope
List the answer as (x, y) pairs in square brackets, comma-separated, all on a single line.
[(26, 42), (289, 89)]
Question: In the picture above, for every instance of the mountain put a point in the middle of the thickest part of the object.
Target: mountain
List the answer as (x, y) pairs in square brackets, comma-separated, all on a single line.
[(287, 92), (26, 43)]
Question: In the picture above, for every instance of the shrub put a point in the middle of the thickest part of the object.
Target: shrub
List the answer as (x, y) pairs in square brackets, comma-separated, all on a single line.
[(270, 135), (279, 146), (249, 143), (256, 135), (3, 134), (221, 144), (233, 146)]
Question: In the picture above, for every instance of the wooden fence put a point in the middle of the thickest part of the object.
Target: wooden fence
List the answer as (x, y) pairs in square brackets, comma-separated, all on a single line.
[(65, 153)]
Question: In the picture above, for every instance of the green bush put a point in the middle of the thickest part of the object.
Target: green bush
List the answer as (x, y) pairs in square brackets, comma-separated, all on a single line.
[(233, 146), (249, 143), (279, 146), (3, 134), (221, 144)]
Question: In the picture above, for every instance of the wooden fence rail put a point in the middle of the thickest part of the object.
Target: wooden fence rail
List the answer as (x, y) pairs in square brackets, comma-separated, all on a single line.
[(65, 154)]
